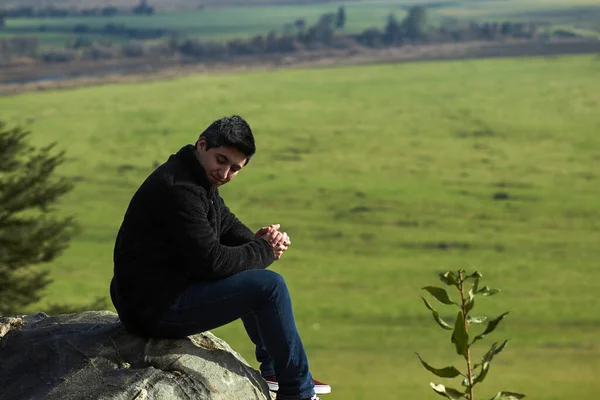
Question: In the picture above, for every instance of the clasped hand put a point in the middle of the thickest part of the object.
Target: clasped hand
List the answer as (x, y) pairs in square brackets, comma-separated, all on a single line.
[(279, 241)]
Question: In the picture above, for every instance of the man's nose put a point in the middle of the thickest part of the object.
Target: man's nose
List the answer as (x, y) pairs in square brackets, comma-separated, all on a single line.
[(223, 173)]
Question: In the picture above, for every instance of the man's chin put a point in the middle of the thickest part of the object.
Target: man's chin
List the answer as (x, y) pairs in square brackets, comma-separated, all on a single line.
[(216, 182)]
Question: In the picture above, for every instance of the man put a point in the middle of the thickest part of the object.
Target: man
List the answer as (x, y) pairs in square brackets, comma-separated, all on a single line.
[(184, 264)]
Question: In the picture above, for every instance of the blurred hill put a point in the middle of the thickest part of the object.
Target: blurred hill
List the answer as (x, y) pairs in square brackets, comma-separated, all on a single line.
[(162, 5), (76, 35)]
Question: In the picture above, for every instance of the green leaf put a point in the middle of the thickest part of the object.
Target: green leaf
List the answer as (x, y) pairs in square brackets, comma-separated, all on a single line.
[(485, 367), (449, 278), (475, 286), (490, 327), (486, 291), (473, 289), (460, 337), (476, 320), (508, 396), (447, 392), (436, 316), (494, 350), (447, 372), (465, 382), (502, 346), (470, 305), (474, 275), (440, 294)]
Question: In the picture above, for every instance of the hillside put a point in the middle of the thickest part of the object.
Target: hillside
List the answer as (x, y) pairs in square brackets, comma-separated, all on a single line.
[(383, 176), (88, 27), (166, 4), (195, 4)]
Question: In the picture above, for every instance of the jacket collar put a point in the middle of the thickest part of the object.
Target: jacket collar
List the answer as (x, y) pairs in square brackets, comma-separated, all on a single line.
[(188, 155)]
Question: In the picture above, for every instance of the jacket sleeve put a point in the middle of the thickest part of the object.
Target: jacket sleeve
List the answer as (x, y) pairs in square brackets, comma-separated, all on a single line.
[(198, 244), (233, 231)]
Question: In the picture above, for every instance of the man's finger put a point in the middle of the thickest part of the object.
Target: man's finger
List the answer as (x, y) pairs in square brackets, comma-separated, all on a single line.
[(283, 238), (272, 238), (267, 229)]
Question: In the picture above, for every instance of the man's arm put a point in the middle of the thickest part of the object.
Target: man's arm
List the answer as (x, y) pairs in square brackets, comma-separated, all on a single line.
[(193, 237), (233, 231)]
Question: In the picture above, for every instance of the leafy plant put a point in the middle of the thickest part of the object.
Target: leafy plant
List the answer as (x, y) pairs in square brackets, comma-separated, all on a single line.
[(462, 333)]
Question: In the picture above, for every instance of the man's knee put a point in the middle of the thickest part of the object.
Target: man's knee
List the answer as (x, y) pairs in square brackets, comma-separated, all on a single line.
[(267, 281), (277, 280)]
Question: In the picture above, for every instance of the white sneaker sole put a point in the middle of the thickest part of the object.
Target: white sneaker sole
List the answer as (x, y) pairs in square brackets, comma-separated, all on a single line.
[(319, 389)]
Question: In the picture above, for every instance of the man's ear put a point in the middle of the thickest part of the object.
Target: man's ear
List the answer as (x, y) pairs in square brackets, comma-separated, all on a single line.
[(201, 143)]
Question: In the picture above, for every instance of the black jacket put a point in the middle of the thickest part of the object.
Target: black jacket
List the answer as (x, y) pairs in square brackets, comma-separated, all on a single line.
[(177, 230)]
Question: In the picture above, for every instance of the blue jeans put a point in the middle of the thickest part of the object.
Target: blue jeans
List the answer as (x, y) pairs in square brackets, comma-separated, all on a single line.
[(262, 300)]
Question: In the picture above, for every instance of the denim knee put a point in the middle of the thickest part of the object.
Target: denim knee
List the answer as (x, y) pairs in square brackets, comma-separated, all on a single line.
[(270, 283)]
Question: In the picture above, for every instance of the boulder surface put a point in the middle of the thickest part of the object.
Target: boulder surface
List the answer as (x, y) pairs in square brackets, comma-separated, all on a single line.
[(90, 355)]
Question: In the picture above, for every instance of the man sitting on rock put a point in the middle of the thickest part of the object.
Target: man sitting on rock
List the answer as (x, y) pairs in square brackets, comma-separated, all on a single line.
[(184, 264)]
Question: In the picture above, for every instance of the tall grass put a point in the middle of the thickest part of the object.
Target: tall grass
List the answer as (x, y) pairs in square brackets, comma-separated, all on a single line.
[(383, 176)]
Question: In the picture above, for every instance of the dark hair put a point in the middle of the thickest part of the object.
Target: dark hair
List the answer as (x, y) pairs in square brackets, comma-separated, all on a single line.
[(233, 132)]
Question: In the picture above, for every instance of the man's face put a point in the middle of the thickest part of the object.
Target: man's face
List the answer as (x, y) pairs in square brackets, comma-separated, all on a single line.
[(221, 164)]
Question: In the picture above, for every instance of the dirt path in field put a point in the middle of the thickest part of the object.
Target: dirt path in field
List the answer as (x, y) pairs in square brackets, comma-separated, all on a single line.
[(35, 77)]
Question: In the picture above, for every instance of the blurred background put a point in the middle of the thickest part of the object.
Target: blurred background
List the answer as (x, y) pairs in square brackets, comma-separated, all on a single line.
[(396, 140)]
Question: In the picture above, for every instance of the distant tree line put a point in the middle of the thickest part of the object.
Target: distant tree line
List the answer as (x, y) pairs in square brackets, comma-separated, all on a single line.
[(18, 47), (108, 30), (326, 32), (56, 12), (415, 29), (111, 29)]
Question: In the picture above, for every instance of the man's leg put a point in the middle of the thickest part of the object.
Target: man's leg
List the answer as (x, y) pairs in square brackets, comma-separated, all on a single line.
[(262, 293), (267, 368)]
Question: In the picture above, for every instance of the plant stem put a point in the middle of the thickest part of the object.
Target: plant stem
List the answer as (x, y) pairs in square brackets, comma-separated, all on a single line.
[(464, 310)]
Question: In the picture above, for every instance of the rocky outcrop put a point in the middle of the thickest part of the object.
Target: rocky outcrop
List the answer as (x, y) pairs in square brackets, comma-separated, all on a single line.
[(91, 356)]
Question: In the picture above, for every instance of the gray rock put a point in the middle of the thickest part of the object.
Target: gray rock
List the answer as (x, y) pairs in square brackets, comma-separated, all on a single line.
[(90, 356)]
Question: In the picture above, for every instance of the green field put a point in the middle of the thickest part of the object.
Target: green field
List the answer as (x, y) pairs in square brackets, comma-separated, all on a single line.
[(371, 170), (242, 22)]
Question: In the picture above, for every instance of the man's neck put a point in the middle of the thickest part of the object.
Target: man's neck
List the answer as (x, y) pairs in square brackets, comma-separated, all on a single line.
[(197, 155)]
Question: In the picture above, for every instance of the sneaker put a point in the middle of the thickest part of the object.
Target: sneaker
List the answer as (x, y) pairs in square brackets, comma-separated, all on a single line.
[(315, 397), (320, 387)]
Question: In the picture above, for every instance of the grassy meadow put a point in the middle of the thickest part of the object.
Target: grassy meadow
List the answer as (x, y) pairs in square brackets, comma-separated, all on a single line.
[(383, 176), (222, 23)]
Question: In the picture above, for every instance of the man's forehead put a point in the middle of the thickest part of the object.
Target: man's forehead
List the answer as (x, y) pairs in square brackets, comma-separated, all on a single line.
[(232, 154)]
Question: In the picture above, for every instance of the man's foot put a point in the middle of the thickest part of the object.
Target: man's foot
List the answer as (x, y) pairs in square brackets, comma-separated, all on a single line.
[(320, 387)]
